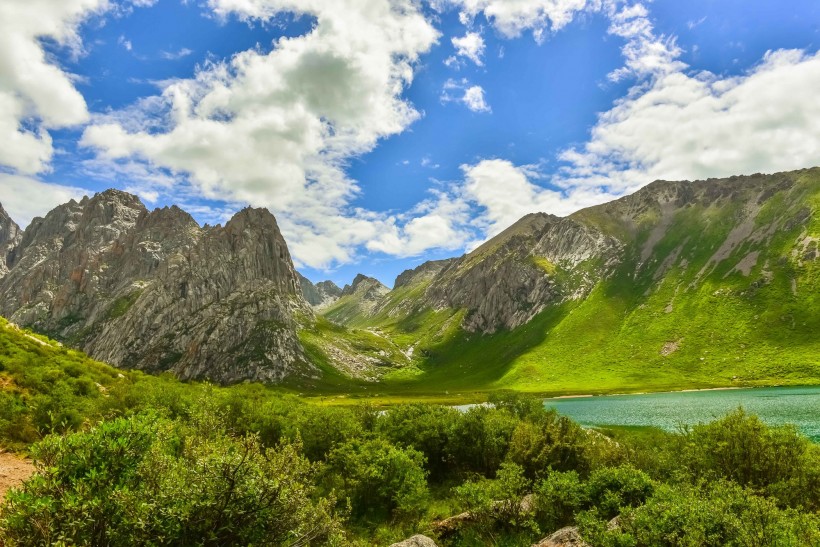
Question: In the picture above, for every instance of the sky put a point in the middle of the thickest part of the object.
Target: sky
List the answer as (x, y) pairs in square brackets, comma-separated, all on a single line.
[(383, 133)]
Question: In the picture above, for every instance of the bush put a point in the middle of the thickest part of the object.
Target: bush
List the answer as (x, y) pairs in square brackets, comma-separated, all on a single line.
[(614, 488), (497, 503), (425, 428), (774, 461), (379, 479), (551, 443), (480, 438), (723, 514), (147, 480)]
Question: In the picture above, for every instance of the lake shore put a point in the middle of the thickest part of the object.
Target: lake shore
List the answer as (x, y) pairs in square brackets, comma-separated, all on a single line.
[(585, 395)]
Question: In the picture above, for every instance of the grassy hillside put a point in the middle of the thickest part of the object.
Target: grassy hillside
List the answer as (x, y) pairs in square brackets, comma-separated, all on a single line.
[(712, 294)]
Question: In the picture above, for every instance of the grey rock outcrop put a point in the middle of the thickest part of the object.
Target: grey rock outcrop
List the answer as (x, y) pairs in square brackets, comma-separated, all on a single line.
[(10, 236), (320, 295), (357, 300), (368, 288), (514, 276), (415, 541), (565, 537), (155, 291)]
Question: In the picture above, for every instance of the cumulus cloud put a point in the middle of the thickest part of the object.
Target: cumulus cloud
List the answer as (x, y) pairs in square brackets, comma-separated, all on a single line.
[(25, 198), (471, 46), (442, 222), (462, 91), (276, 128), (35, 94), (504, 192), (694, 126)]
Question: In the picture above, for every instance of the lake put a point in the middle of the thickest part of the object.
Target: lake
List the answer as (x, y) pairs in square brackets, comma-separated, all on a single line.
[(774, 405)]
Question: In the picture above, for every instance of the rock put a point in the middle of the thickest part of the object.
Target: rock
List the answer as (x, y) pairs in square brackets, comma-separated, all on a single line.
[(155, 291), (358, 300), (320, 295), (10, 237), (513, 277), (565, 537), (451, 525), (416, 541), (367, 288)]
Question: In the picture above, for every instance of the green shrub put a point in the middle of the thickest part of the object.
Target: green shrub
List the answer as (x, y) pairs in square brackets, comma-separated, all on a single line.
[(379, 479), (497, 504), (480, 438), (723, 514), (552, 442), (611, 489), (141, 480), (426, 428), (771, 460), (557, 498)]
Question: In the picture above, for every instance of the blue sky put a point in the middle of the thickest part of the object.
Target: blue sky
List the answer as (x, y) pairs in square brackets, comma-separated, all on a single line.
[(383, 133)]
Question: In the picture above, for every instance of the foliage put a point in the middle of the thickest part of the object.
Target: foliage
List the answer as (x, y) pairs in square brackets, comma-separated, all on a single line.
[(145, 479), (775, 461), (723, 514), (496, 504), (378, 479), (154, 460)]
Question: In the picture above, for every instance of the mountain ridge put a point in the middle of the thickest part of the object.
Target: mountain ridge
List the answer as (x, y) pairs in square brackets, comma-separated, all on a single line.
[(153, 290), (631, 292)]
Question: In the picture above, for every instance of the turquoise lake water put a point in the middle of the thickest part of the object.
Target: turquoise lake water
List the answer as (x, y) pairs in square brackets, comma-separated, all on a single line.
[(774, 405)]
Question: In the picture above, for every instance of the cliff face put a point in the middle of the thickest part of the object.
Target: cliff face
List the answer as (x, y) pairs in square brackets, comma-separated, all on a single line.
[(10, 236), (154, 291), (320, 295), (514, 276)]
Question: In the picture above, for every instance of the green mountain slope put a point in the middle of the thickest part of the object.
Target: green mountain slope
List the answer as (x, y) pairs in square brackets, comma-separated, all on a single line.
[(710, 283)]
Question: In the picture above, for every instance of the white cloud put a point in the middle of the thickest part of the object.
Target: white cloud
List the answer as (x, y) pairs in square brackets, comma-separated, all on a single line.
[(695, 126), (474, 99), (124, 42), (25, 198), (471, 46), (266, 128), (35, 94), (512, 17), (504, 193), (471, 96), (442, 222), (174, 55)]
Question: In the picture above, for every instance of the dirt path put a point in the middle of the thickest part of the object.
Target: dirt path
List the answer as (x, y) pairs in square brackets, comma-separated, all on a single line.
[(13, 471)]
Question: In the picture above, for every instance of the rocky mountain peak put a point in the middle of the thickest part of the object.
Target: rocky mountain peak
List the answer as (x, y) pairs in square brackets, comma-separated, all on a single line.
[(155, 291), (320, 295), (369, 287)]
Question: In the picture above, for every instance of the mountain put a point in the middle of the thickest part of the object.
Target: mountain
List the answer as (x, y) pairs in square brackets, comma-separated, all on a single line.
[(358, 298), (10, 236), (681, 284), (700, 283), (320, 295), (153, 290)]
